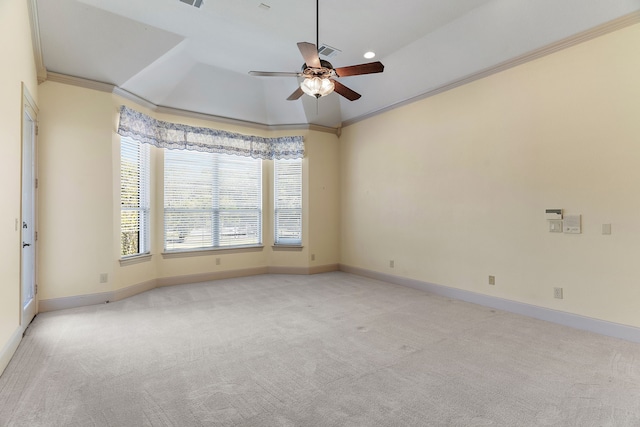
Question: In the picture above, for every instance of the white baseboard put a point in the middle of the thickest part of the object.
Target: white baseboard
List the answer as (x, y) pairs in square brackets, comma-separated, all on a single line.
[(208, 277), (576, 321), (9, 349), (132, 290), (328, 268), (304, 270), (63, 303)]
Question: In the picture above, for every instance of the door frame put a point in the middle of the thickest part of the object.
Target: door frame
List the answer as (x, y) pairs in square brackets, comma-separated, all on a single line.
[(29, 107)]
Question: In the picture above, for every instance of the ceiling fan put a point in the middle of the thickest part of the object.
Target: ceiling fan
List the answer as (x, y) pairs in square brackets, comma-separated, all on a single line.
[(319, 75)]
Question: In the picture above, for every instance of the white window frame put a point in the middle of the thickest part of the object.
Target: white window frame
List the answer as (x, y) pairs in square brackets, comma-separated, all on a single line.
[(287, 203), (140, 204), (202, 221)]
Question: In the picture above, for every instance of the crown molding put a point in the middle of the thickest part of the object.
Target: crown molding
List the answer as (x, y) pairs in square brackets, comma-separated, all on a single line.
[(606, 28), (41, 71), (134, 98), (245, 123), (80, 82), (161, 109)]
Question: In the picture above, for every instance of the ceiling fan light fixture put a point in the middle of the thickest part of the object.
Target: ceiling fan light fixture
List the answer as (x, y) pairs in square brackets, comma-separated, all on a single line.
[(317, 86)]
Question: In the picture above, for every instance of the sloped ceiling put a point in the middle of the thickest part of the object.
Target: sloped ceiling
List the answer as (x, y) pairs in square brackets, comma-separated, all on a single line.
[(197, 59)]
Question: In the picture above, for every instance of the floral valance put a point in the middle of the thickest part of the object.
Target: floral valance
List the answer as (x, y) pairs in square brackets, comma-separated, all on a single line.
[(168, 135)]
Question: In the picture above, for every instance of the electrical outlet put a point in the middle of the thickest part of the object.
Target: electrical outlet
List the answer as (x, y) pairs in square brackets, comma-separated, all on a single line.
[(104, 277), (392, 263), (492, 280), (313, 257), (557, 293), (218, 261)]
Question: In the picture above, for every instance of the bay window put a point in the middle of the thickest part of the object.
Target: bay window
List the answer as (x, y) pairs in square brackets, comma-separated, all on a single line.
[(134, 198), (211, 200), (287, 189)]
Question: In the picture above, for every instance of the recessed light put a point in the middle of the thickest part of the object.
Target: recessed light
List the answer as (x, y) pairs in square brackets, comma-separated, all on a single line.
[(369, 55)]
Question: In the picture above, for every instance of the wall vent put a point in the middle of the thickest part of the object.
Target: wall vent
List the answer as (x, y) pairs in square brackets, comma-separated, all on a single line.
[(196, 3), (328, 51)]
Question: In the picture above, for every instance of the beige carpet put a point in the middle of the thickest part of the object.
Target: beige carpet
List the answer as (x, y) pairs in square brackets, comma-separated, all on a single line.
[(324, 350)]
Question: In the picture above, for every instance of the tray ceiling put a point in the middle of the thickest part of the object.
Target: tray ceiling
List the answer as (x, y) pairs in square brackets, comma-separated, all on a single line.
[(197, 59)]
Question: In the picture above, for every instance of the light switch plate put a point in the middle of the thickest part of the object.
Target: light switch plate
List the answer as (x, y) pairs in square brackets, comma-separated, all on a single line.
[(606, 229), (555, 226)]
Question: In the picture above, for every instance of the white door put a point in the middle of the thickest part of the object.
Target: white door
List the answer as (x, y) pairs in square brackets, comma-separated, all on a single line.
[(28, 263)]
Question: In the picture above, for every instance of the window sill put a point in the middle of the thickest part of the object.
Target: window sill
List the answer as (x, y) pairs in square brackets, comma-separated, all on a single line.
[(135, 259), (287, 247), (212, 251)]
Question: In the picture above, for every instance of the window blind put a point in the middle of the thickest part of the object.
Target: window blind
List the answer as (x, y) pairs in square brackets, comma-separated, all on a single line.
[(134, 197), (288, 201), (211, 200)]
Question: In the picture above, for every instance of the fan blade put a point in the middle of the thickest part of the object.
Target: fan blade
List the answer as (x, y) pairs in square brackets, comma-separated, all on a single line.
[(355, 70), (309, 52), (274, 74), (345, 91), (296, 94)]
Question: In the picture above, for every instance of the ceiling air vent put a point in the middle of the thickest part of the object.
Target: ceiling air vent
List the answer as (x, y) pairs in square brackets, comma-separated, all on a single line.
[(196, 3), (328, 51)]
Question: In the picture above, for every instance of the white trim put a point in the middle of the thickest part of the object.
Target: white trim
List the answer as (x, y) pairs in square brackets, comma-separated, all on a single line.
[(135, 259), (41, 70), (54, 304), (64, 303), (80, 82), (30, 109), (304, 270), (29, 100), (132, 290), (160, 109), (572, 320), (284, 127), (606, 28), (134, 98), (9, 349), (287, 247), (327, 268), (288, 270), (212, 251), (211, 276)]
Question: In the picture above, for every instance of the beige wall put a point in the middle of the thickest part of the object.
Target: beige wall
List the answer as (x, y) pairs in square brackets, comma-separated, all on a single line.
[(324, 205), (80, 200), (18, 66), (453, 188), (76, 202)]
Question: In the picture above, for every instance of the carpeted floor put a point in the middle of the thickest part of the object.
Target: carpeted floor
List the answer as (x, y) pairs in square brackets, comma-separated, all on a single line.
[(324, 350)]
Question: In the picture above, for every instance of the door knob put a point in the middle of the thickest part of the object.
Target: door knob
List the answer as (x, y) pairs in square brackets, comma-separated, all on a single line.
[(25, 244)]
